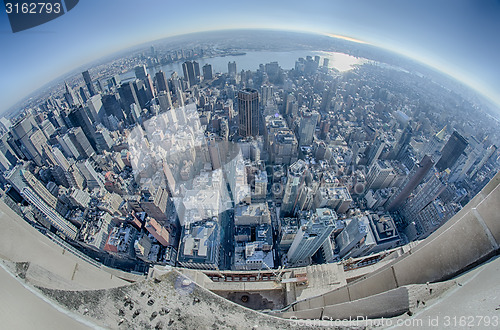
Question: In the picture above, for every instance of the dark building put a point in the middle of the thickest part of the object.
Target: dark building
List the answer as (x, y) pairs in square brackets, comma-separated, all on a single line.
[(112, 106), (79, 118), (207, 72), (248, 112), (161, 81), (140, 72), (403, 143), (451, 151), (416, 176), (231, 69), (128, 96), (88, 83), (191, 72), (81, 143)]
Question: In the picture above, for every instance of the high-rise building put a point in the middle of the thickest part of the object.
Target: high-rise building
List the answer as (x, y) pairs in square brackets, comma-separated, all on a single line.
[(79, 118), (207, 72), (380, 175), (128, 96), (435, 144), (191, 72), (92, 178), (294, 188), (231, 69), (155, 205), (88, 83), (248, 112), (311, 236), (161, 82), (416, 176), (307, 126), (80, 142), (451, 151), (140, 72), (375, 151), (96, 108), (70, 96), (429, 192), (489, 152), (404, 141)]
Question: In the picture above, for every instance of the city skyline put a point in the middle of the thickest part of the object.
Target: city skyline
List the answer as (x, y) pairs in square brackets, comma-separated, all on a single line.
[(456, 37)]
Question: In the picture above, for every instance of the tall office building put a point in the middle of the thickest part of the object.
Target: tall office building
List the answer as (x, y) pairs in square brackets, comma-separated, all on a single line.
[(70, 96), (164, 100), (451, 151), (112, 106), (375, 151), (207, 72), (96, 108), (294, 188), (489, 152), (435, 144), (380, 175), (128, 96), (307, 127), (161, 82), (311, 237), (79, 118), (140, 72), (30, 140), (231, 69), (191, 72), (248, 112), (429, 192), (414, 179), (404, 142), (80, 142), (88, 83), (197, 74)]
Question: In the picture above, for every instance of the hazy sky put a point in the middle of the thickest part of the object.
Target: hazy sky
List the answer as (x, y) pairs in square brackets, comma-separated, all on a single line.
[(458, 37)]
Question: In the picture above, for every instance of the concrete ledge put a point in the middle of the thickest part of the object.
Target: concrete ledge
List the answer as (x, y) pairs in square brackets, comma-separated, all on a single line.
[(388, 304)]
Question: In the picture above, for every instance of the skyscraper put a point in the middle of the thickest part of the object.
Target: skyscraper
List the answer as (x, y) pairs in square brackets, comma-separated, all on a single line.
[(231, 69), (296, 181), (128, 96), (429, 192), (80, 142), (80, 118), (161, 81), (311, 237), (140, 72), (207, 72), (414, 178), (248, 112), (70, 96), (451, 151), (375, 151), (88, 82), (191, 72), (307, 127), (380, 175), (403, 143)]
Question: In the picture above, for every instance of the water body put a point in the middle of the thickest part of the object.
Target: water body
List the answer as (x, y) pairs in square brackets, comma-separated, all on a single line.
[(252, 60)]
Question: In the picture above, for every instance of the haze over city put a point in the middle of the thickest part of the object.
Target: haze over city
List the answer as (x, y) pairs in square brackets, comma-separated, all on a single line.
[(457, 37)]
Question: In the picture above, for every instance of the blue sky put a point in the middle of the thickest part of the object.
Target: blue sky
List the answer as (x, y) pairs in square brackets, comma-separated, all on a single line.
[(456, 36)]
